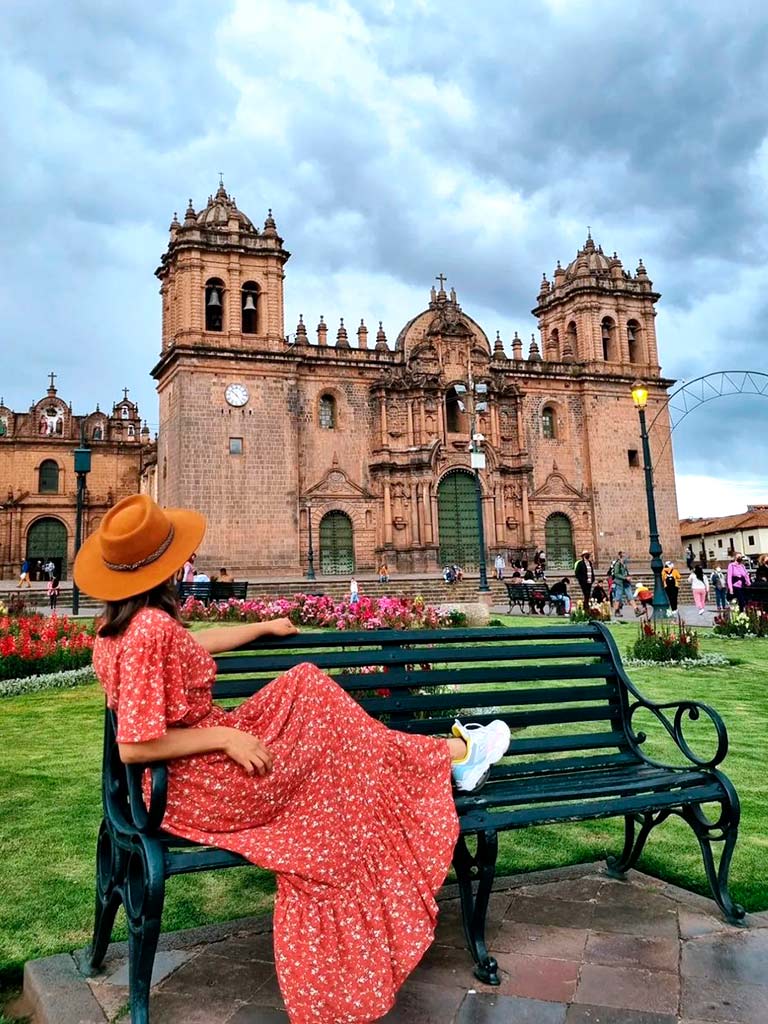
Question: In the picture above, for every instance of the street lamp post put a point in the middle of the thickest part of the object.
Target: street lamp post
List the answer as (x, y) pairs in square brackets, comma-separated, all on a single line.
[(477, 462), (310, 549), (660, 602), (82, 469)]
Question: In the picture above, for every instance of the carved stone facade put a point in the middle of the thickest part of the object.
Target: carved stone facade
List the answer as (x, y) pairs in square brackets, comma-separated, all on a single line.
[(38, 483), (369, 443)]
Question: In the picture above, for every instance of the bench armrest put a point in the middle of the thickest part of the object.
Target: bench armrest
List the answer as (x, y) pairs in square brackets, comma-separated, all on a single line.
[(674, 725), (684, 711), (147, 819)]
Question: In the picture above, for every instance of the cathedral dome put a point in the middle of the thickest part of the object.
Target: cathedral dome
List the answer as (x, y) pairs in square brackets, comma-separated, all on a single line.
[(591, 260), (220, 210)]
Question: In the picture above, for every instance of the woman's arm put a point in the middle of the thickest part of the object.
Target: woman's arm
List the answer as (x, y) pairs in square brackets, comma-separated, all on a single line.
[(247, 750), (227, 638)]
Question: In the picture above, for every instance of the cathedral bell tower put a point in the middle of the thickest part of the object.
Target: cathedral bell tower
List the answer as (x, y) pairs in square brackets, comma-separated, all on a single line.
[(222, 325)]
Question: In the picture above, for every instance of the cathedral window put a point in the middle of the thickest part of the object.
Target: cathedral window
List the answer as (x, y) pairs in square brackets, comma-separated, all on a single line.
[(570, 336), (124, 412), (249, 301), (235, 446), (48, 477), (548, 422), (131, 430), (327, 412), (633, 341), (98, 433), (608, 331), (455, 413), (214, 304)]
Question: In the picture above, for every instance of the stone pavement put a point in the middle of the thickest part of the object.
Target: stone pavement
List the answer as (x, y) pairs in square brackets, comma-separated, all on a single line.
[(574, 947)]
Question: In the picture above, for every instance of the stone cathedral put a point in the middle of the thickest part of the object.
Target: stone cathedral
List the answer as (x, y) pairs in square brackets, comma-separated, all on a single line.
[(364, 440)]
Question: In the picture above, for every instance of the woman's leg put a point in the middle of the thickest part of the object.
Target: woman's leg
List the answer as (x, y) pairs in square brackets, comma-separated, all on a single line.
[(700, 599)]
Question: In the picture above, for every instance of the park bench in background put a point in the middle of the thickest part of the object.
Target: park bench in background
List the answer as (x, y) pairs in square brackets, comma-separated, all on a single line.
[(577, 754), (522, 594), (214, 591)]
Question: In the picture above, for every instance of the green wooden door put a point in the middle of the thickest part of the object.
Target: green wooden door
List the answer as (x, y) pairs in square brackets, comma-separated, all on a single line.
[(559, 541), (457, 520), (47, 539), (337, 550)]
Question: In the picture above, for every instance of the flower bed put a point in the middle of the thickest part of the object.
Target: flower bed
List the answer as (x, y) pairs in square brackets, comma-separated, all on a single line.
[(52, 681), (753, 621), (594, 613), (35, 645), (326, 613), (674, 642)]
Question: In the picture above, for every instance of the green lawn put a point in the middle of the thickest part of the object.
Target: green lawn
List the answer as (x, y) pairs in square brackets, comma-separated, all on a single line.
[(50, 751)]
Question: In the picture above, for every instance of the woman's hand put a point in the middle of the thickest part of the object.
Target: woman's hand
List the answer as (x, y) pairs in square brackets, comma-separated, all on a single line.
[(281, 627), (248, 751)]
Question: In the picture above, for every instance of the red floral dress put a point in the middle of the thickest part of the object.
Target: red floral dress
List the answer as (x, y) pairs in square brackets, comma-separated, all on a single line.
[(356, 819)]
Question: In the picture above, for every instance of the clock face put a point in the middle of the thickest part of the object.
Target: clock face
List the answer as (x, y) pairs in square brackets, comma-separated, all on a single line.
[(236, 394)]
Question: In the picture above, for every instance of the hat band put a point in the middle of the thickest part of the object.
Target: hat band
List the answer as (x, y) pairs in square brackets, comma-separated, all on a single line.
[(153, 557)]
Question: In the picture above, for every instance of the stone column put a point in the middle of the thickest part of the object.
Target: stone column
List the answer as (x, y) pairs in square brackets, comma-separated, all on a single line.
[(409, 416), (426, 500), (526, 524), (495, 426), (415, 533), (498, 506), (387, 514), (422, 422), (384, 427), (522, 444), (440, 421)]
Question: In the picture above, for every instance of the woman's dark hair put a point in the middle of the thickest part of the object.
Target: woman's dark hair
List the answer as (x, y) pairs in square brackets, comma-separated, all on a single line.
[(118, 614), (699, 572)]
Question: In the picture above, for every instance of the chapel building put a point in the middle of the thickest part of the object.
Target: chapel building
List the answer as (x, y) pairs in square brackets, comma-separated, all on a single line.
[(361, 445), (38, 484)]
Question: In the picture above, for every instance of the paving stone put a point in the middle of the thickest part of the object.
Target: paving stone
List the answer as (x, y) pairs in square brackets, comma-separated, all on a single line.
[(724, 1001), (582, 889), (548, 910), (579, 1014), (422, 1003), (251, 1014), (537, 977), (628, 988), (633, 951), (739, 958), (445, 965), (246, 947), (213, 985), (540, 940), (650, 921), (693, 923), (56, 994), (481, 1008), (165, 964), (450, 930)]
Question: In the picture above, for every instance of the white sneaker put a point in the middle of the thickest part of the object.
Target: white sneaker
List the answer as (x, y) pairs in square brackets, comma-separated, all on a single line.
[(486, 744)]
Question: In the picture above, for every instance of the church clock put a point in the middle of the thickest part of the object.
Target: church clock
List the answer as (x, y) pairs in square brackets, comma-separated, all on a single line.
[(237, 395)]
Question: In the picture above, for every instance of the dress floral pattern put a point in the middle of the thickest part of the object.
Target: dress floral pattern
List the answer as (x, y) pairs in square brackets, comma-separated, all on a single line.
[(356, 819)]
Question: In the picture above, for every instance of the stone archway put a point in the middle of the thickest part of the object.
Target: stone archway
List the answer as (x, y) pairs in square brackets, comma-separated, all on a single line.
[(337, 547), (47, 539), (457, 519), (558, 543)]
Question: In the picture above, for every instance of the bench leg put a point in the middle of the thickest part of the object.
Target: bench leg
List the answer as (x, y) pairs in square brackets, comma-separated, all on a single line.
[(479, 868), (144, 897), (706, 832), (633, 847), (110, 875)]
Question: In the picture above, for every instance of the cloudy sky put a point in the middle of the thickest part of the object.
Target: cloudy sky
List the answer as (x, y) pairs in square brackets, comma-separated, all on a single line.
[(394, 139)]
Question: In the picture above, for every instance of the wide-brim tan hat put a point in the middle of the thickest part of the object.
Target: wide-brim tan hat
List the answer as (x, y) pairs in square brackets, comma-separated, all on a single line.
[(137, 547)]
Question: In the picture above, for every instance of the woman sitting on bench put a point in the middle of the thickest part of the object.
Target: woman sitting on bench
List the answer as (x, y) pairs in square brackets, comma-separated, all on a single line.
[(357, 820)]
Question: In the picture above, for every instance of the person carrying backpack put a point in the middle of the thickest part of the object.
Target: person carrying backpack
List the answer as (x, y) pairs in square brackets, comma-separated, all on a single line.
[(584, 572), (717, 582)]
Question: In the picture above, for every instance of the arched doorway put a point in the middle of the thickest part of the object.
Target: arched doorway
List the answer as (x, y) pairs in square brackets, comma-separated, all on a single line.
[(337, 550), (457, 519), (47, 540), (558, 544)]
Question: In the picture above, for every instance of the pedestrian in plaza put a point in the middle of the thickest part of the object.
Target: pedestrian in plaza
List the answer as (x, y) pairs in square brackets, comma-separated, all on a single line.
[(383, 572), (585, 575), (599, 593), (690, 558), (718, 584), (737, 580), (699, 588), (49, 569), (670, 577), (354, 591), (53, 593), (189, 569), (224, 576), (24, 575), (623, 590), (201, 577), (560, 597), (761, 572), (357, 819), (499, 565), (644, 597)]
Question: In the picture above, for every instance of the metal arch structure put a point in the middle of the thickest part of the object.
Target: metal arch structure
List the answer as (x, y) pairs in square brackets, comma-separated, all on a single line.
[(693, 393)]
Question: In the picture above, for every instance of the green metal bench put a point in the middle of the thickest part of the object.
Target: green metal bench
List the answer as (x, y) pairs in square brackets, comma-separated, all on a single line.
[(577, 754)]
